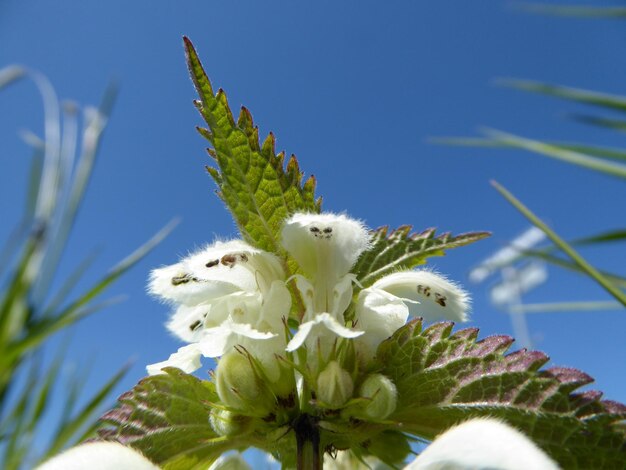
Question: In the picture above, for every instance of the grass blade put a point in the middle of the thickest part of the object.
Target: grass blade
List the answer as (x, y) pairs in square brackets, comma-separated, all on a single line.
[(597, 164), (575, 10), (567, 307), (603, 100), (567, 249)]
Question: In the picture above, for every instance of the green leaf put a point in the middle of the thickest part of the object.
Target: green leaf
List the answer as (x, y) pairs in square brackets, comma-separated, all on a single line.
[(563, 245), (603, 100), (401, 249), (252, 180), (580, 159), (444, 378), (166, 417)]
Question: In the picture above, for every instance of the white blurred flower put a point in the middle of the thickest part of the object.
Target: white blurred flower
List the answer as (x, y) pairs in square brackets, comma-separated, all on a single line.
[(99, 456), (480, 444)]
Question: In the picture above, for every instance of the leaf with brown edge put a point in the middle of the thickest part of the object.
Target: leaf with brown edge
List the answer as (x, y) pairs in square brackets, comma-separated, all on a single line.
[(400, 249), (444, 378), (166, 418), (252, 179)]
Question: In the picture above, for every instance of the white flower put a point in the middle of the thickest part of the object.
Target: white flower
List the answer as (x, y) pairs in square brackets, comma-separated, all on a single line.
[(325, 246), (483, 443), (427, 295), (99, 456), (227, 294), (205, 285)]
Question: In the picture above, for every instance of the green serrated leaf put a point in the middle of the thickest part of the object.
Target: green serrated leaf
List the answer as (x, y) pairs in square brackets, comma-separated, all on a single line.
[(166, 417), (401, 249), (251, 178), (444, 378)]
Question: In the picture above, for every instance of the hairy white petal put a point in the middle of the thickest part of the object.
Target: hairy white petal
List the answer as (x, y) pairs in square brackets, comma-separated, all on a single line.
[(99, 456), (379, 314), (187, 359), (483, 443), (214, 271), (427, 295), (330, 243), (319, 327)]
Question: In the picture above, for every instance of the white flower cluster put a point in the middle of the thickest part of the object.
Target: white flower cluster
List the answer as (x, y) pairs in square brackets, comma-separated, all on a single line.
[(230, 294)]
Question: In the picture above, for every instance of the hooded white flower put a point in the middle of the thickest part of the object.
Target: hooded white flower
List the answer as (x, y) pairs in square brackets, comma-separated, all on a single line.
[(226, 294), (427, 295), (326, 246)]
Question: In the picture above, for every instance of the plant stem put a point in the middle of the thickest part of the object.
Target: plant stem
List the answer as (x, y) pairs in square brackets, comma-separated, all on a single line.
[(307, 432)]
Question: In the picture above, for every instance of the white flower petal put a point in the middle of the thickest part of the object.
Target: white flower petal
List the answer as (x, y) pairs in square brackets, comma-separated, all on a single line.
[(99, 456), (187, 322), (328, 243), (342, 296), (482, 443), (276, 306), (318, 328), (219, 340), (186, 359), (427, 295), (379, 314)]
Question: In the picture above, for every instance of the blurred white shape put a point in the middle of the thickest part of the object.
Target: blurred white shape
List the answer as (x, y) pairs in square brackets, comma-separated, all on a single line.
[(519, 282), (482, 444), (99, 456), (506, 255)]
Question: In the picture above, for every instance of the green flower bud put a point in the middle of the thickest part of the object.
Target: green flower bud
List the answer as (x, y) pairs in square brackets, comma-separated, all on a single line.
[(382, 395), (239, 386), (391, 447), (334, 385), (227, 423)]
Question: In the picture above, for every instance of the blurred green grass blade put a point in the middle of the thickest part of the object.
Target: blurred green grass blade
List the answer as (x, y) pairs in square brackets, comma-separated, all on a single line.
[(95, 121), (68, 285), (567, 307), (69, 429), (575, 10), (619, 281), (616, 235), (609, 123), (79, 308), (603, 100), (567, 249), (597, 164), (591, 150)]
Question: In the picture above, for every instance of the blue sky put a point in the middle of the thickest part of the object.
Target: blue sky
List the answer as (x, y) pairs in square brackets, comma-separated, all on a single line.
[(355, 89)]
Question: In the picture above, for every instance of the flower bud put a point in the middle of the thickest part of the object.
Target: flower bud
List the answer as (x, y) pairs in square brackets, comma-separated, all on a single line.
[(334, 385), (240, 387), (227, 423), (382, 394)]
